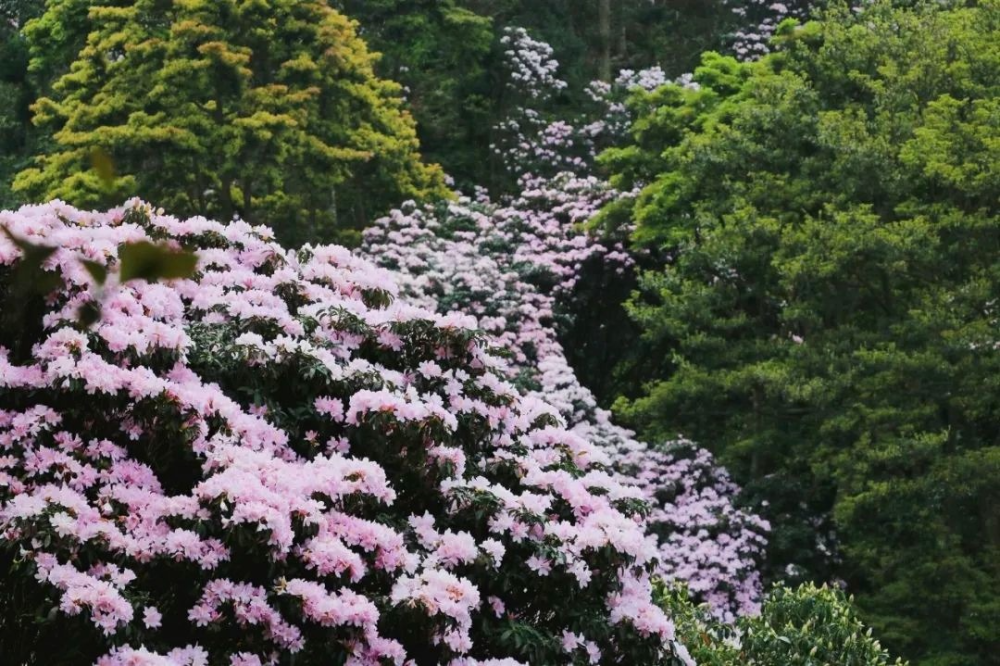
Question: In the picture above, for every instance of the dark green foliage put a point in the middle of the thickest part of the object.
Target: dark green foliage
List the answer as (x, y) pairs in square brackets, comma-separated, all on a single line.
[(16, 93), (826, 317), (596, 331), (668, 33), (24, 289), (447, 54), (441, 53)]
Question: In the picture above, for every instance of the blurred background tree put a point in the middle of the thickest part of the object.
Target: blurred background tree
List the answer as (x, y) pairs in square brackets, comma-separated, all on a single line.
[(446, 53)]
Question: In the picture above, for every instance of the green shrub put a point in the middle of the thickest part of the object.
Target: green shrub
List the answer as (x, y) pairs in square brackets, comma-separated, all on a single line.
[(804, 626)]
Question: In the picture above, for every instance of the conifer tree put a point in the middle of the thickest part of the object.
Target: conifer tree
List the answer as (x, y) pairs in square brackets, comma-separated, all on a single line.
[(266, 110)]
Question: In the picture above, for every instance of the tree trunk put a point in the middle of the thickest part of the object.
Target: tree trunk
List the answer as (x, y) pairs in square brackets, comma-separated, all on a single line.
[(755, 454), (604, 27)]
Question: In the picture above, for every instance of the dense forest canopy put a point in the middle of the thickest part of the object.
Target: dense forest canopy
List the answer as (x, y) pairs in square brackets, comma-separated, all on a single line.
[(824, 317), (659, 332), (448, 55)]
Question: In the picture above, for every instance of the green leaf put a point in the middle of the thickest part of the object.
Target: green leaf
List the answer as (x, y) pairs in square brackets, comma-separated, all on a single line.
[(33, 255), (29, 276), (97, 271), (89, 314), (103, 166), (149, 262)]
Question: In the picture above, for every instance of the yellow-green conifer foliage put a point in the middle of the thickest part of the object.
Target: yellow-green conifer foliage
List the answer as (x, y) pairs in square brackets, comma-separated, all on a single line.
[(266, 109)]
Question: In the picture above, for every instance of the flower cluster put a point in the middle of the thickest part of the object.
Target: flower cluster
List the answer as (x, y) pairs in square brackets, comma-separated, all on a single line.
[(532, 141), (529, 142), (279, 456), (531, 63), (515, 268), (760, 19)]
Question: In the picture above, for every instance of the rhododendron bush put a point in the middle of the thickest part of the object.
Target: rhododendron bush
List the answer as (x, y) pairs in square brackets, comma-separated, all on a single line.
[(518, 267), (278, 461), (536, 138), (515, 267)]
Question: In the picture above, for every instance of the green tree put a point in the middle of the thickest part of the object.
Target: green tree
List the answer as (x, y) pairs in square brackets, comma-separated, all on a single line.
[(441, 53), (804, 626), (827, 219), (593, 37), (267, 110), (16, 93)]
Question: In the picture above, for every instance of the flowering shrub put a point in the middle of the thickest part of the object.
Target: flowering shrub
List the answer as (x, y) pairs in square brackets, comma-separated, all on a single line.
[(533, 141), (277, 459), (759, 20), (515, 268)]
